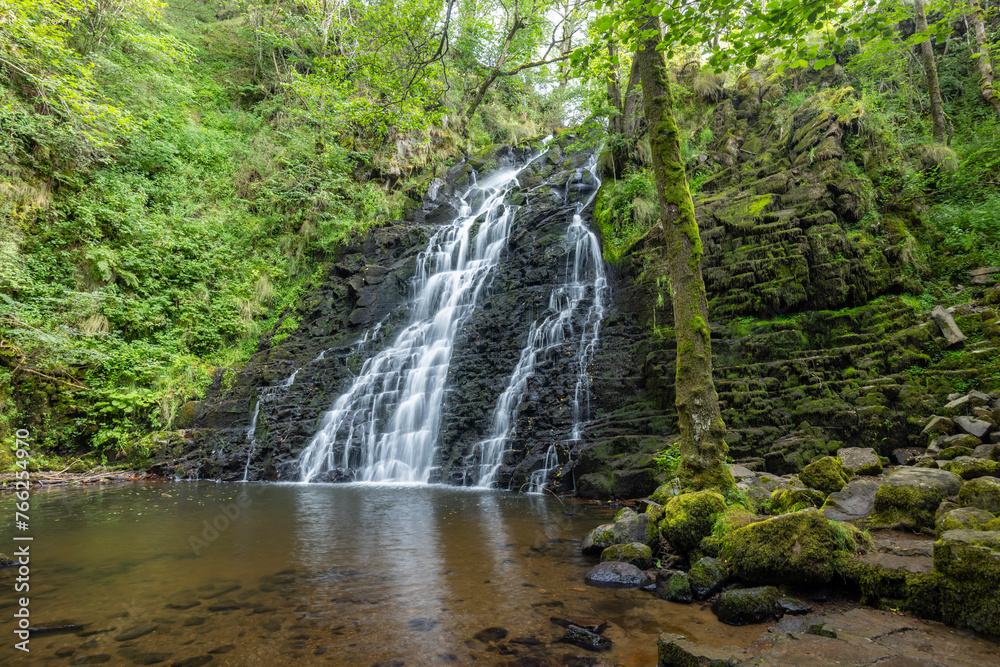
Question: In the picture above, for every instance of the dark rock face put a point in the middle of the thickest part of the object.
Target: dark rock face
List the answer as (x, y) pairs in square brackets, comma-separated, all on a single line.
[(362, 302)]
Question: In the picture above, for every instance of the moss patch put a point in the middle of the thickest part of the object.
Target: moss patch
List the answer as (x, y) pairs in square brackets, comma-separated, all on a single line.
[(799, 548), (689, 518)]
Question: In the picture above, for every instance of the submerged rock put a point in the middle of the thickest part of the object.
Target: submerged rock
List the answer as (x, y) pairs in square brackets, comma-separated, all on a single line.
[(585, 639), (491, 634)]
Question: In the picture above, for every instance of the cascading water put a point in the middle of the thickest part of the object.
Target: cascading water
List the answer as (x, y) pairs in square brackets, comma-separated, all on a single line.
[(551, 334), (264, 394), (539, 478), (388, 420)]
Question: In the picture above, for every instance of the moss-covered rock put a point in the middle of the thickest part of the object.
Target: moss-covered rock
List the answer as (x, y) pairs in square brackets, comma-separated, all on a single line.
[(689, 518), (707, 577), (859, 461), (982, 493), (910, 496), (969, 560), (744, 606), (967, 467), (792, 500), (636, 553), (673, 586), (799, 548), (964, 518), (665, 492), (631, 528), (825, 474)]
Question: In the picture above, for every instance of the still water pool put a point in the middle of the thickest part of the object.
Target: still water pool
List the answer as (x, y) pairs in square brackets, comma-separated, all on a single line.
[(255, 574)]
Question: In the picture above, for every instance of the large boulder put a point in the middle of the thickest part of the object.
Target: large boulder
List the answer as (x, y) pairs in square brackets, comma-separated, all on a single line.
[(825, 474), (968, 467), (743, 606), (860, 460), (629, 528), (799, 548), (982, 493), (707, 577), (965, 518), (688, 518), (853, 502), (911, 495), (970, 562)]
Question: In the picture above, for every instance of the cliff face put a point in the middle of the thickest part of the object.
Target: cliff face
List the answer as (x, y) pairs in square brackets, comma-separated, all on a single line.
[(362, 304), (815, 341)]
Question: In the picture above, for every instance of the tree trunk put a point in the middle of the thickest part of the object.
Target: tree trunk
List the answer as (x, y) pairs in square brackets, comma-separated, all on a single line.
[(703, 446), (986, 88), (927, 57)]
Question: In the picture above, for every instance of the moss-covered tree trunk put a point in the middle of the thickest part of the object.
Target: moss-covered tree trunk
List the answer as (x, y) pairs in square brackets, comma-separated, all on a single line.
[(703, 447), (933, 87), (982, 57)]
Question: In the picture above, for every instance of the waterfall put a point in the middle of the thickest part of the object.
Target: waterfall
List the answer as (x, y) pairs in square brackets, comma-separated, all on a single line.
[(538, 479), (388, 420), (265, 393), (550, 334)]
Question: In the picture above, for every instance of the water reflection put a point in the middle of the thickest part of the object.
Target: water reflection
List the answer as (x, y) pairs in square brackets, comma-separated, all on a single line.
[(322, 574)]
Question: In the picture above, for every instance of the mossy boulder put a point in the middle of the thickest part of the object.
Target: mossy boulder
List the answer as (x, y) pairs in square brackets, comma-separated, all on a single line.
[(744, 606), (910, 496), (636, 553), (982, 493), (799, 548), (790, 500), (673, 586), (968, 467), (688, 518), (825, 474), (964, 518), (859, 461), (665, 492), (707, 577), (631, 528), (969, 561)]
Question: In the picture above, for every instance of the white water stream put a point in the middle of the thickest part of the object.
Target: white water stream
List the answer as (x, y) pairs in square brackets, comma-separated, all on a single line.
[(584, 280), (388, 420)]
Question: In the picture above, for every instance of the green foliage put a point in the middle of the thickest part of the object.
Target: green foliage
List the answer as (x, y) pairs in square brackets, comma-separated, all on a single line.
[(625, 210), (666, 461)]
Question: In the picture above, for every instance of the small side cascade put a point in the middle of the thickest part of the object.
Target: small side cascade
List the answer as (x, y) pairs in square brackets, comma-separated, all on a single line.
[(264, 394), (385, 427), (539, 478), (551, 334)]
